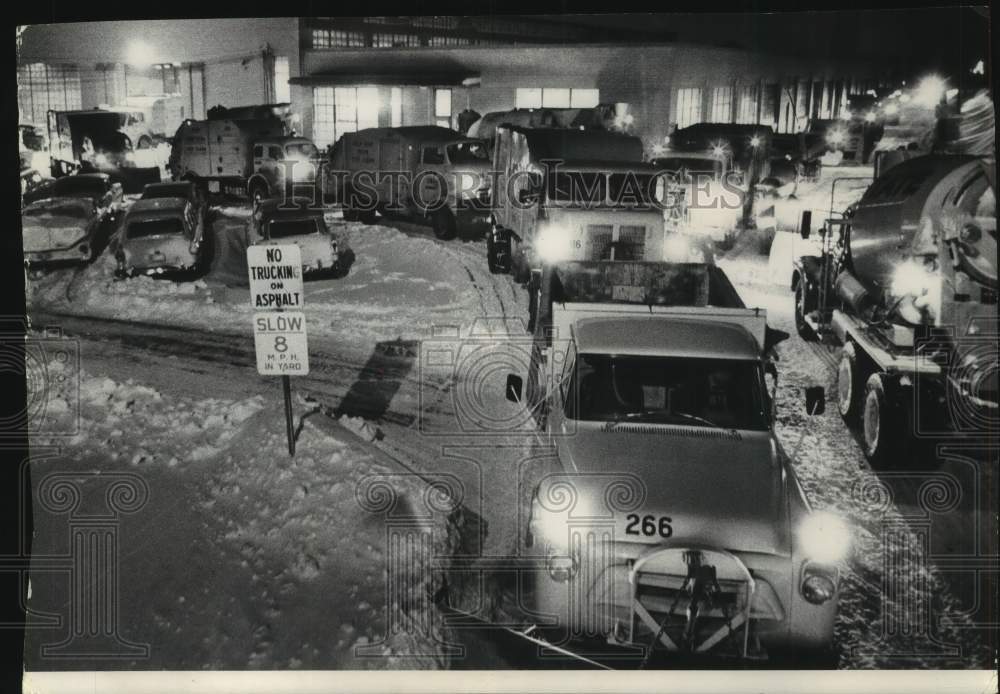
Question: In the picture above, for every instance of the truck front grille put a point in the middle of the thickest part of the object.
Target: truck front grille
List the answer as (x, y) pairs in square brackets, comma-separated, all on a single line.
[(607, 242)]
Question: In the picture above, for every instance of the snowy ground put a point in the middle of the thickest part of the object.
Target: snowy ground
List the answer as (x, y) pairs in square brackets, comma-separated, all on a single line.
[(398, 287), (245, 558)]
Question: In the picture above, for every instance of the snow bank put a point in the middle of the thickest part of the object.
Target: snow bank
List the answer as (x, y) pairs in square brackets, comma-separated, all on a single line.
[(399, 286)]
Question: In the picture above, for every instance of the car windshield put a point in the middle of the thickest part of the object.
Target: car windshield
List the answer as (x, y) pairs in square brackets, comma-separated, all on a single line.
[(80, 209), (280, 228), (468, 153), (301, 151), (703, 392), (155, 227)]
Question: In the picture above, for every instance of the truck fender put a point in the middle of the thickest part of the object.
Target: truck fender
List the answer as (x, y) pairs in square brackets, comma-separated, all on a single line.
[(256, 181)]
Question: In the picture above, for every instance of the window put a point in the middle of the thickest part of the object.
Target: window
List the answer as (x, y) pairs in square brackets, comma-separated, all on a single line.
[(335, 38), (556, 97), (323, 129), (528, 98), (433, 155), (275, 153), (442, 107), (584, 98), (688, 109), (282, 92), (258, 151), (746, 110), (396, 107), (722, 104), (339, 110), (383, 40), (42, 87)]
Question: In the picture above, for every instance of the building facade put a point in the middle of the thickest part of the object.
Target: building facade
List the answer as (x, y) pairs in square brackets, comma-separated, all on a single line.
[(343, 74)]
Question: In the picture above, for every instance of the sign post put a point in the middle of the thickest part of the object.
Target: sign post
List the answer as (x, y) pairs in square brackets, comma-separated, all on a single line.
[(279, 334)]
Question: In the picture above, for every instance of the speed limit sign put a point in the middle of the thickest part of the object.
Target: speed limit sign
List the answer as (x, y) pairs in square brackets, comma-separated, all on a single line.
[(280, 341)]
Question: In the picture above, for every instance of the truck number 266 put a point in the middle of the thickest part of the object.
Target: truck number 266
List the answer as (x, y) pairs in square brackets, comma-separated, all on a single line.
[(649, 525)]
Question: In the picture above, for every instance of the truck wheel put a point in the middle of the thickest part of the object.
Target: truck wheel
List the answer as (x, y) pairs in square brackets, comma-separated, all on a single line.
[(498, 251), (802, 307), (882, 429), (443, 222), (258, 192), (850, 384)]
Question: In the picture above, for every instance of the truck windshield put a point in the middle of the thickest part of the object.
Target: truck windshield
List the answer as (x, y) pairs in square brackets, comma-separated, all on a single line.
[(281, 228), (301, 151), (689, 391), (166, 226), (577, 187), (468, 153), (684, 167)]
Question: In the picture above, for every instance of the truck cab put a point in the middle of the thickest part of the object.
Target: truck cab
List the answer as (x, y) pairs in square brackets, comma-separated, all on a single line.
[(566, 195), (275, 158), (673, 519), (425, 172)]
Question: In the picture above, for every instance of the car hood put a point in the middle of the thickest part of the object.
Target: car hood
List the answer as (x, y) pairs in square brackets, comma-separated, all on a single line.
[(719, 487)]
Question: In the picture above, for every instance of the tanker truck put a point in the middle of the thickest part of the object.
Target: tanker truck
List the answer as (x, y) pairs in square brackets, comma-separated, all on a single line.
[(906, 282)]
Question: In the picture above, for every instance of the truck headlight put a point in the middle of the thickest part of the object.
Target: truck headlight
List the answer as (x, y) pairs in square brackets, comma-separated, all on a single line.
[(553, 243), (824, 537), (676, 249), (911, 278), (561, 567), (819, 583), (836, 136)]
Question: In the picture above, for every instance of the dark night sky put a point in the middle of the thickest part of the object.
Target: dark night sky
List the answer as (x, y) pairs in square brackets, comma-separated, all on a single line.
[(930, 37)]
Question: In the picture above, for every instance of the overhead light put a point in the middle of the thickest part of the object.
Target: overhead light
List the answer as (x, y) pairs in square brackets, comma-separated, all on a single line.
[(979, 69), (929, 91), (140, 54)]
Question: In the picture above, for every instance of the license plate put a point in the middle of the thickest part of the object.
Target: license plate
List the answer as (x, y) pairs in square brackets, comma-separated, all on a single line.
[(213, 186)]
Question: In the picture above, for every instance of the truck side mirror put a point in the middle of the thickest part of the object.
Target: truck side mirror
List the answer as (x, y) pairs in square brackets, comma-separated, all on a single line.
[(815, 400), (514, 385), (805, 224)]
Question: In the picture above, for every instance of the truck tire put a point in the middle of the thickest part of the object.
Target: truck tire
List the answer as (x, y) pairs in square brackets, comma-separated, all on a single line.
[(882, 428), (258, 191), (443, 223), (498, 251), (850, 384), (803, 305)]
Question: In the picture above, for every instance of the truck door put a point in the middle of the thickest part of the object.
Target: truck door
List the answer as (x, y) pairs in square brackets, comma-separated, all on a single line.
[(431, 188), (268, 164)]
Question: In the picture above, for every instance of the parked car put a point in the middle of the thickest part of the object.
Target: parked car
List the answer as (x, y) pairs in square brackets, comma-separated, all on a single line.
[(173, 189), (70, 218), (161, 234), (277, 221), (97, 186)]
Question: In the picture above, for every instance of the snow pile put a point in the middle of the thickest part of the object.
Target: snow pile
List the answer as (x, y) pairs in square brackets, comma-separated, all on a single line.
[(131, 422), (399, 286)]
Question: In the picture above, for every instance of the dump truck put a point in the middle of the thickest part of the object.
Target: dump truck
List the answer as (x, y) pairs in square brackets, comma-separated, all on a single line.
[(249, 153), (564, 195), (424, 172), (673, 519), (905, 280)]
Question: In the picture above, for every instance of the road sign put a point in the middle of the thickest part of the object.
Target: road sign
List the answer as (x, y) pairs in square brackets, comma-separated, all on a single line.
[(282, 347), (275, 277)]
